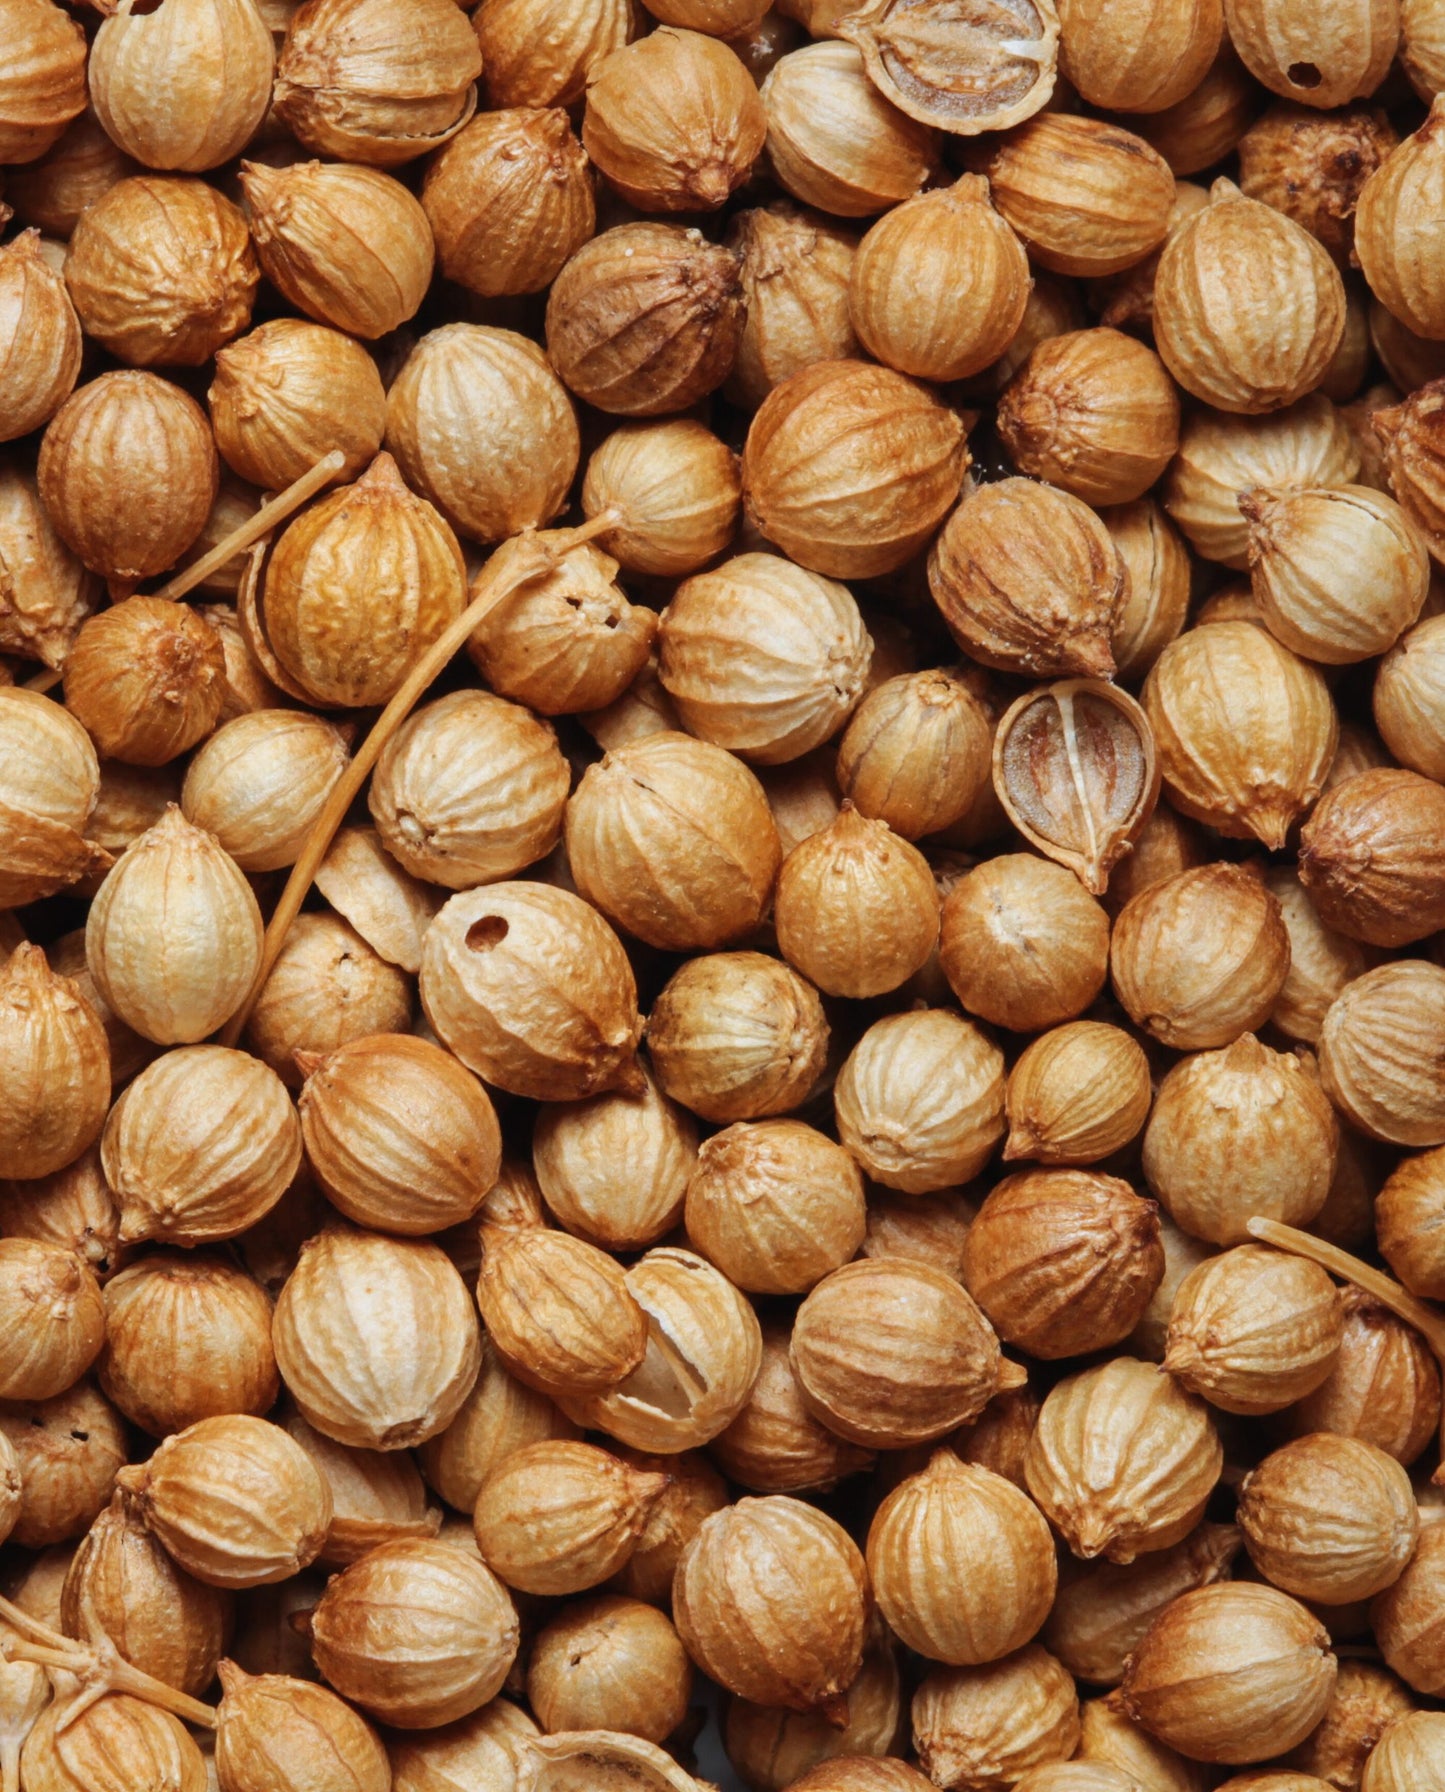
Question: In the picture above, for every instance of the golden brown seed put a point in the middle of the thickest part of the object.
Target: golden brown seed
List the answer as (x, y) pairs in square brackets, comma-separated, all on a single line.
[(849, 468), (1329, 1519), (1199, 959), (118, 1741), (1225, 280), (44, 88), (1406, 1618), (39, 344), (481, 426), (357, 588), (212, 59), (400, 1136), (1077, 1094), (675, 489), (56, 1068), (737, 1036), (1094, 412), (740, 1607), (961, 1563), (1408, 1215), (187, 1337), (795, 272), (673, 840), (939, 284), (49, 787), (834, 141), (325, 990), (1023, 944), (390, 910), (916, 753), (1408, 699), (376, 83), (50, 1306), (1254, 1331), (1406, 1754), (260, 782), (775, 1205), (1245, 730), (1239, 1132), (1063, 1262), (973, 1725), (234, 1500), (146, 679), (418, 1633), (1368, 857), (289, 392), (919, 1100), (645, 319), (673, 121), (492, 1743), (271, 1725), (610, 1663), (509, 199), (537, 53), (1311, 166), (200, 1146), (763, 658), (45, 593), (1122, 1460), (347, 245), (559, 1517), (127, 472), (1299, 541), (614, 1169), (568, 640), (469, 790), (1143, 57), (1383, 1386), (376, 1338), (161, 271), (1028, 580), (159, 1618), (890, 1353), (1319, 62), (1232, 1673), (856, 908), (525, 951), (558, 1310), (1087, 197), (68, 1450), (1379, 1053)]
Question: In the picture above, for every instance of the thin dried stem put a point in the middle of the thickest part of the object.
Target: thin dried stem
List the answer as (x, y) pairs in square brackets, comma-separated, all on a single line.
[(540, 555), (1426, 1320), (97, 1666), (274, 511)]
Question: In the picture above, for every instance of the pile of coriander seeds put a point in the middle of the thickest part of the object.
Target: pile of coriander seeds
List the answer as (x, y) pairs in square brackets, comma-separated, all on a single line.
[(722, 896)]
